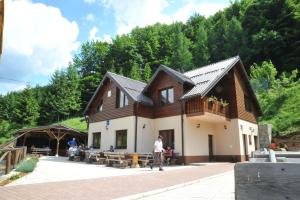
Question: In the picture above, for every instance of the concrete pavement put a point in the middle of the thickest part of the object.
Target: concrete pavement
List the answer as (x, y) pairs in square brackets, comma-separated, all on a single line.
[(111, 187)]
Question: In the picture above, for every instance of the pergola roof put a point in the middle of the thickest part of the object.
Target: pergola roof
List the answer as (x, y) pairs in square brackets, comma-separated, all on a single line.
[(51, 130), (54, 128)]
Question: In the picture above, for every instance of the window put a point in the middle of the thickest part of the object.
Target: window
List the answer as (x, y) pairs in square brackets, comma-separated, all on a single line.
[(168, 138), (96, 140), (122, 99), (255, 142), (166, 96), (250, 139), (121, 139), (100, 107), (247, 103)]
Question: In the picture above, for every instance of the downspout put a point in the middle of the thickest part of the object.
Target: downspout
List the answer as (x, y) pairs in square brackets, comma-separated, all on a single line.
[(182, 130), (136, 123)]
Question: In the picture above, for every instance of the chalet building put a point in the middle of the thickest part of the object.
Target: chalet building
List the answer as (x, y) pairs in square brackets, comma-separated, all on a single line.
[(206, 114)]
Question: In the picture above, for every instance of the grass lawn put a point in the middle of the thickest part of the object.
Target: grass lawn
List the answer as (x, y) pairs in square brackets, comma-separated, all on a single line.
[(76, 123)]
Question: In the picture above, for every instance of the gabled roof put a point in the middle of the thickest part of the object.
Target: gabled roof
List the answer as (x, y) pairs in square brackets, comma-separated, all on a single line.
[(132, 88), (206, 77), (202, 80), (171, 72)]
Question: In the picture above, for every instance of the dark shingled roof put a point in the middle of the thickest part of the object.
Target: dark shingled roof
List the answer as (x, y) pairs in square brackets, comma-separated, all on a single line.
[(132, 88), (207, 76), (201, 80)]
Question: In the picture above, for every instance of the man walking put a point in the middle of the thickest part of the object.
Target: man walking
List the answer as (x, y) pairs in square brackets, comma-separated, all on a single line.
[(158, 154)]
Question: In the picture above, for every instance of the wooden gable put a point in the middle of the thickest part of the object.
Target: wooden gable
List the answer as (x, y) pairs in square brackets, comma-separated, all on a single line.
[(110, 110)]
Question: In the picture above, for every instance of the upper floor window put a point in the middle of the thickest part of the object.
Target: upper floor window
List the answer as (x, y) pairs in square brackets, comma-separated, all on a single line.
[(122, 99), (166, 96), (247, 102), (100, 107)]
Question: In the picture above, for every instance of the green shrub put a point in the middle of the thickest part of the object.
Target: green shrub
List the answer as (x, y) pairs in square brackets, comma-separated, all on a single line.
[(27, 165), (15, 177)]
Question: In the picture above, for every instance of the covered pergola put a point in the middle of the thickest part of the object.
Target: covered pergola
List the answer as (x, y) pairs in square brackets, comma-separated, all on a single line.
[(52, 136)]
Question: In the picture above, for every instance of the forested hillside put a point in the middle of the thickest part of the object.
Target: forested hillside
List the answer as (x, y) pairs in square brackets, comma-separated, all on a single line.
[(265, 33)]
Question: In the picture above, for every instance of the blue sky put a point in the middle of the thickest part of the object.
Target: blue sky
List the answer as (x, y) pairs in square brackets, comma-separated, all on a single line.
[(41, 36)]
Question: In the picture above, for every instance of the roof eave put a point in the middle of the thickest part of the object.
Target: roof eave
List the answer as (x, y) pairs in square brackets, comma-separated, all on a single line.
[(164, 68)]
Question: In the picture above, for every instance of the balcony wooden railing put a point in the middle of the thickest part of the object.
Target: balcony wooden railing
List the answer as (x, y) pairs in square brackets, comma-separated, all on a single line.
[(198, 106)]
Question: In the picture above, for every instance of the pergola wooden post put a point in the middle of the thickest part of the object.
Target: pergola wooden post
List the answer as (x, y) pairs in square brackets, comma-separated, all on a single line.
[(58, 137)]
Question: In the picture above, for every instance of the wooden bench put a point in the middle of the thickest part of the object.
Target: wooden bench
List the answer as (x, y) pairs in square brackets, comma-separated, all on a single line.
[(95, 156), (145, 159), (116, 159), (43, 151)]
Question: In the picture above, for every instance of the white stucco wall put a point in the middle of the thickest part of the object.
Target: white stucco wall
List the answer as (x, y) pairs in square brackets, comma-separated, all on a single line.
[(247, 128), (145, 135), (227, 138), (226, 141), (108, 136), (196, 137)]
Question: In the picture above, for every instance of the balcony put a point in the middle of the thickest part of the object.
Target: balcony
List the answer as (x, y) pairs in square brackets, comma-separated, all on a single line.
[(210, 107)]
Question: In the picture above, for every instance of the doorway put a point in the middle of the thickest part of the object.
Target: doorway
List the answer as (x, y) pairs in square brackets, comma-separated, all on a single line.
[(168, 138), (210, 148), (245, 146)]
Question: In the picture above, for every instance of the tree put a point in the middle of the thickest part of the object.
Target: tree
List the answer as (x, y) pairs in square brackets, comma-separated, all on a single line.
[(28, 108), (263, 76), (135, 72), (181, 57), (147, 72), (200, 49)]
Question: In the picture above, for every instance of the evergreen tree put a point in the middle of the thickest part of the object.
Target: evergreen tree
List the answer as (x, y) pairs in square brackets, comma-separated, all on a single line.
[(135, 72), (28, 107), (181, 57), (147, 72), (200, 49)]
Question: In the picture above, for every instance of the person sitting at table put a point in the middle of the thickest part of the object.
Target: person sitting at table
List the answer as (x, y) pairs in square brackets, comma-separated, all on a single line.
[(72, 143), (111, 148), (169, 154)]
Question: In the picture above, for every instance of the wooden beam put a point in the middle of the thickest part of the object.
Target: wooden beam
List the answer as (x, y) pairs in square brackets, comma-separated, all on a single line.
[(8, 163)]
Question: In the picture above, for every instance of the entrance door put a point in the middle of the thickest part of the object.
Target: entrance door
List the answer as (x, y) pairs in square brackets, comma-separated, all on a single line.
[(168, 138), (210, 148), (245, 146)]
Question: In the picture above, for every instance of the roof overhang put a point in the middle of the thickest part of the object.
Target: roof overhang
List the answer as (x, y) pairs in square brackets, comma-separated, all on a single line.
[(170, 73)]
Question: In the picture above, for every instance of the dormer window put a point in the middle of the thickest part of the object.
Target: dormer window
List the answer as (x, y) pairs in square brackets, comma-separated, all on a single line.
[(100, 107), (166, 96), (122, 99)]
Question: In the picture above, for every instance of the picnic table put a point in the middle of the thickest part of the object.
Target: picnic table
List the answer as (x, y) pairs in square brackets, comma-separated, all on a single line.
[(45, 151), (135, 159)]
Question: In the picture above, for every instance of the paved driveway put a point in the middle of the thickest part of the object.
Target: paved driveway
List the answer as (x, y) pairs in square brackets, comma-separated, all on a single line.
[(109, 187), (54, 169)]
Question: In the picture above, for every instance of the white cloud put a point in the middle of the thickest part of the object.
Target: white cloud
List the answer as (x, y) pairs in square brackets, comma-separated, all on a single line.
[(106, 38), (89, 1), (37, 39), (93, 35), (90, 17), (203, 8), (131, 13)]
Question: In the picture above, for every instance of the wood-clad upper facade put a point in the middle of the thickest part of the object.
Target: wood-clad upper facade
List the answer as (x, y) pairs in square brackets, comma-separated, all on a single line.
[(164, 95)]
